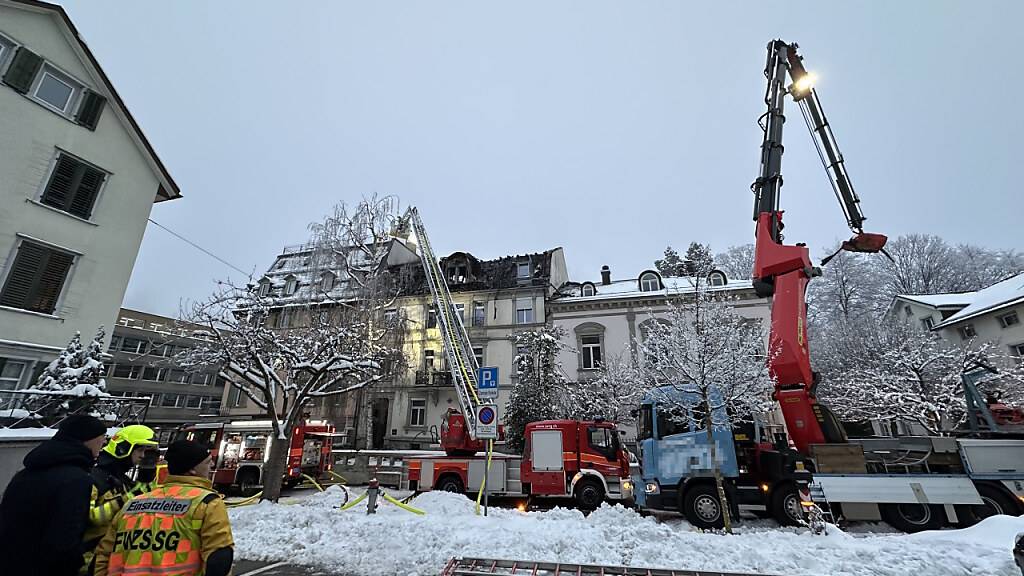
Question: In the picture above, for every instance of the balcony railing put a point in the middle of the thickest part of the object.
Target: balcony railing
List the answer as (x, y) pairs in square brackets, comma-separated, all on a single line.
[(433, 378)]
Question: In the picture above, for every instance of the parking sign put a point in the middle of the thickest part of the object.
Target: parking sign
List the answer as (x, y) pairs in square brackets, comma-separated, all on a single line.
[(487, 422), (487, 382)]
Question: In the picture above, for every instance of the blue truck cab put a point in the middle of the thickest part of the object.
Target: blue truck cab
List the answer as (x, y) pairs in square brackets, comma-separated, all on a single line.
[(675, 456)]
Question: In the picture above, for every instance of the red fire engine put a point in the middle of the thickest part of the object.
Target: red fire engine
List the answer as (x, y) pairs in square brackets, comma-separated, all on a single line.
[(583, 460), (240, 450)]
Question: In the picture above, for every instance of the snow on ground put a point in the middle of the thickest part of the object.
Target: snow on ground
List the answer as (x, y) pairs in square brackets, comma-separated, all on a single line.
[(395, 542)]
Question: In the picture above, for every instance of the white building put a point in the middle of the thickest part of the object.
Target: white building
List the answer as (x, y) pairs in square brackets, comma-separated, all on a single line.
[(992, 314), (605, 319), (77, 182)]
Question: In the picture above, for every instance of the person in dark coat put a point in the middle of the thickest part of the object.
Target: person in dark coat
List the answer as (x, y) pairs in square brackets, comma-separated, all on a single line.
[(45, 508)]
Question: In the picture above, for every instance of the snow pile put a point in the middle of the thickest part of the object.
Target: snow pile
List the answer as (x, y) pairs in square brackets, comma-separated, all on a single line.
[(315, 531)]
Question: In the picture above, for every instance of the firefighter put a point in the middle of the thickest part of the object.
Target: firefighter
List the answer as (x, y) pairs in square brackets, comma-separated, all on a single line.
[(45, 509), (180, 527), (111, 485)]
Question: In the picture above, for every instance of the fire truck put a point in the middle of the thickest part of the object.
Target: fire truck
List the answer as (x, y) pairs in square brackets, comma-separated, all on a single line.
[(240, 450), (582, 460)]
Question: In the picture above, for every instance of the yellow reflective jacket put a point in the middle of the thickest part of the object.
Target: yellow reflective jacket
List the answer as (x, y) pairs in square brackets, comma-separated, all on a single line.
[(197, 531)]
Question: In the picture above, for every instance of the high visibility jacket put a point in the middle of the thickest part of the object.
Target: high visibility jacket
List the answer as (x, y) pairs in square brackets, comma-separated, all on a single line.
[(168, 531)]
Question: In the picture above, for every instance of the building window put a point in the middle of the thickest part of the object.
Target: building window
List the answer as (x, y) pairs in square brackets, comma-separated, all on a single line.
[(115, 343), (284, 318), (391, 318), (908, 311), (202, 379), (524, 310), (717, 278), (36, 278), (1007, 320), (179, 377), (73, 186), (649, 282), (194, 402), (237, 398), (327, 281), (56, 90), (11, 372), (1018, 350), (479, 313), (431, 317), (967, 332), (264, 288), (417, 412), (519, 358), (154, 374), (590, 348), (290, 285), (127, 371), (211, 404), (523, 270), (155, 399), (927, 323), (6, 49), (428, 360), (588, 290), (169, 401), (134, 346), (457, 274), (478, 353), (460, 311)]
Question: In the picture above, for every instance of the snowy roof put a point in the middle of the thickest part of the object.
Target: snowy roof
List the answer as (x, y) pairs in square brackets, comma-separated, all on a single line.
[(630, 288), (997, 296), (957, 299)]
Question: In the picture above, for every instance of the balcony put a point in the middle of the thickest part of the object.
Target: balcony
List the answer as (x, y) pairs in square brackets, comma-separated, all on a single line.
[(433, 378)]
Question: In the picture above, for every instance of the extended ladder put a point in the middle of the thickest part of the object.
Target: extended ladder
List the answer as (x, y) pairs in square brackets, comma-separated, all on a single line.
[(484, 566), (457, 348)]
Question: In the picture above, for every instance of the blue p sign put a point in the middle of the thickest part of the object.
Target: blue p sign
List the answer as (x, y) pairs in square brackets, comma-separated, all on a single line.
[(487, 381)]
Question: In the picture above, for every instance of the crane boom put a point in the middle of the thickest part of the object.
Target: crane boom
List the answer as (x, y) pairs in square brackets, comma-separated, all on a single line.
[(782, 271), (457, 347)]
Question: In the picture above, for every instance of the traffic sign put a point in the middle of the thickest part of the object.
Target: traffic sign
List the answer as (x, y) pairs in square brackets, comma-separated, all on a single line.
[(487, 382), (487, 422)]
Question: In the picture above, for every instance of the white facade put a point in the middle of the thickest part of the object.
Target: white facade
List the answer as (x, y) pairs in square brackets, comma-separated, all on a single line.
[(609, 320), (993, 314), (94, 244)]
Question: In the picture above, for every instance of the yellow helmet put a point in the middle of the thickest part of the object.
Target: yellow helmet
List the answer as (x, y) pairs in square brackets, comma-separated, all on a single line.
[(127, 438)]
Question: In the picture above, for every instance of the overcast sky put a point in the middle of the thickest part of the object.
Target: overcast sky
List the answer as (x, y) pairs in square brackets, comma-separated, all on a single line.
[(611, 129)]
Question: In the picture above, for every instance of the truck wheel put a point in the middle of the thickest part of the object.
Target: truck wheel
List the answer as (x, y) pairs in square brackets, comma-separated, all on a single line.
[(451, 483), (995, 502), (248, 483), (700, 507), (912, 517), (785, 506), (588, 494)]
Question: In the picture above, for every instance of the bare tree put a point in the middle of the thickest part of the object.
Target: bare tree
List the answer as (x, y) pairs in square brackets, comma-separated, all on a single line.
[(336, 341), (737, 262), (716, 360)]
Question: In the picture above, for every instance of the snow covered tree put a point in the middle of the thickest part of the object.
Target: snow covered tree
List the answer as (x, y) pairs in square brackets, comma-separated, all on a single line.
[(613, 394), (540, 389), (671, 264), (77, 375), (893, 371), (737, 262), (337, 341), (716, 360), (699, 260)]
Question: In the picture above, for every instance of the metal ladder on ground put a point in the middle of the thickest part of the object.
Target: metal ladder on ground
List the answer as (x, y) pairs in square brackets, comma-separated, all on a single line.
[(486, 566), (457, 347)]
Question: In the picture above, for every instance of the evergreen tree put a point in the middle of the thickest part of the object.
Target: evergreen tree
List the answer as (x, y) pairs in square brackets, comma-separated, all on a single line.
[(671, 264), (699, 261), (539, 392)]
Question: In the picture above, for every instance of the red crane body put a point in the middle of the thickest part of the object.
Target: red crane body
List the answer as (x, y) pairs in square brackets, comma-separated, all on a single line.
[(782, 271)]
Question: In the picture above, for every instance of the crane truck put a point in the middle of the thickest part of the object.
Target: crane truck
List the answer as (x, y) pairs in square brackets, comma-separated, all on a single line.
[(913, 483), (584, 460)]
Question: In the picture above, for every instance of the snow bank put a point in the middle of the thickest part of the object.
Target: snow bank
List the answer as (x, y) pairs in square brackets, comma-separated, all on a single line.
[(314, 531)]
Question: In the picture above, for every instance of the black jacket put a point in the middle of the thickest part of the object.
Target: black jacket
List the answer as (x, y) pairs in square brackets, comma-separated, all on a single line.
[(45, 509)]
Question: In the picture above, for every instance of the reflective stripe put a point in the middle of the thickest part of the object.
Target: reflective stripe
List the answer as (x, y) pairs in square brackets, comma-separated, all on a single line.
[(144, 570)]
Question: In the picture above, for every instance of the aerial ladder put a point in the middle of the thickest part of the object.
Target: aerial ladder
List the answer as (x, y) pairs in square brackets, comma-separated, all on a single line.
[(782, 271), (458, 430)]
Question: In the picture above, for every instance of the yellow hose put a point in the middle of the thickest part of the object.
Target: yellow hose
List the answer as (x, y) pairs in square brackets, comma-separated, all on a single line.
[(246, 501), (338, 476), (487, 471), (354, 502), (310, 478), (402, 505)]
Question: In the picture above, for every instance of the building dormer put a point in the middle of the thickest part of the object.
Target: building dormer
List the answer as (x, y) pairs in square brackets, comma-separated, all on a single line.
[(327, 280), (717, 278), (650, 281), (588, 289), (263, 289), (291, 285)]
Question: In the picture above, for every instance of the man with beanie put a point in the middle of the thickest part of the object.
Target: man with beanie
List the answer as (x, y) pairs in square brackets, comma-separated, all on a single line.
[(180, 527), (45, 508)]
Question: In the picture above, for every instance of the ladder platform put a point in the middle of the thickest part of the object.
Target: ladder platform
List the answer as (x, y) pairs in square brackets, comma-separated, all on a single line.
[(489, 566)]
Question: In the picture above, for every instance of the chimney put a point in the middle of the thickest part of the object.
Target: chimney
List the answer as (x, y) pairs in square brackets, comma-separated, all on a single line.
[(606, 275)]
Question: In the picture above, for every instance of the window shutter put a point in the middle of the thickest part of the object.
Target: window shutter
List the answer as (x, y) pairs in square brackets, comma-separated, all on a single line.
[(51, 282), (22, 70), (90, 109), (23, 275), (85, 195), (61, 187)]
